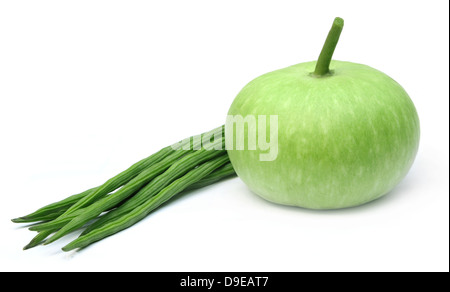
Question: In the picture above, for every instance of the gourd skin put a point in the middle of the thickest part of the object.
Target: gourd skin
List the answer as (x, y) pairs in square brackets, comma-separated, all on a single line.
[(343, 140)]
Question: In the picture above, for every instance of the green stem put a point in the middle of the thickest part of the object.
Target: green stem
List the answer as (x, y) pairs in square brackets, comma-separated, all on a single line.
[(323, 63)]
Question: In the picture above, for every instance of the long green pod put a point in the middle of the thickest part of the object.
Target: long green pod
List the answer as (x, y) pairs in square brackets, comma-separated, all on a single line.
[(116, 197), (121, 178), (43, 212), (58, 211), (38, 239), (148, 174), (42, 235), (143, 210), (98, 207), (133, 171), (45, 217), (68, 203), (187, 163), (54, 225), (77, 201), (136, 182), (54, 210), (225, 171), (219, 174)]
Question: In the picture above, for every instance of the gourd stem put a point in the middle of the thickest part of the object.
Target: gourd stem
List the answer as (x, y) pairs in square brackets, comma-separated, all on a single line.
[(323, 63)]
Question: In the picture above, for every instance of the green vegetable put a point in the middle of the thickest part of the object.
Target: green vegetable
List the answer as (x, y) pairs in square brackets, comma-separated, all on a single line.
[(74, 202), (115, 198), (176, 170), (127, 190), (128, 174), (347, 134), (219, 174), (145, 208), (48, 212), (177, 166), (121, 179)]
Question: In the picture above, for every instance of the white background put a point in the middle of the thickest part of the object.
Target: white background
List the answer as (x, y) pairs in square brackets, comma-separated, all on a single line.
[(87, 88)]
